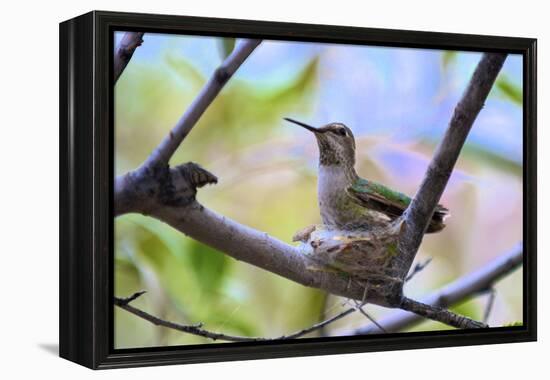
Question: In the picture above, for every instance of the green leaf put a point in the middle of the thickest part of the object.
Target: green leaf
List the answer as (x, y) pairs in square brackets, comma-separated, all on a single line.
[(185, 70), (468, 309), (124, 264), (242, 105), (304, 80), (500, 162), (162, 249), (209, 265), (226, 46), (234, 324), (447, 58), (509, 90), (172, 239), (127, 277), (477, 153)]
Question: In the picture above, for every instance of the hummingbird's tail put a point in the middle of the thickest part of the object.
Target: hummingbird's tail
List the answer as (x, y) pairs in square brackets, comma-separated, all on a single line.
[(438, 219)]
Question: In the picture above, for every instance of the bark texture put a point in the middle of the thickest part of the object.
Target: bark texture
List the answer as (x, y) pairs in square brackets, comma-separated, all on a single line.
[(168, 194)]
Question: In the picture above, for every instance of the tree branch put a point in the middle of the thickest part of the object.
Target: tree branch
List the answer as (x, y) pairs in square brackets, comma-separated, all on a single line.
[(123, 303), (465, 287), (164, 151), (440, 314), (169, 195), (420, 211), (256, 248), (359, 307), (125, 50)]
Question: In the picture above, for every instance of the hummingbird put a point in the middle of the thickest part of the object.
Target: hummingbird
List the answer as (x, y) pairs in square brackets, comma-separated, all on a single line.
[(347, 201)]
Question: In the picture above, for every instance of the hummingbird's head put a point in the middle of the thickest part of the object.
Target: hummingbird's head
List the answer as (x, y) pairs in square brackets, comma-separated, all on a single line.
[(336, 143)]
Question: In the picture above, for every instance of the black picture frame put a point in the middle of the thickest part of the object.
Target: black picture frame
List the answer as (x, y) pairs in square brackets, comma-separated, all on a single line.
[(86, 189)]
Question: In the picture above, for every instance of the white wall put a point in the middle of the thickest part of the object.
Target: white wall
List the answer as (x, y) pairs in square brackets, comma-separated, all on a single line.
[(29, 166)]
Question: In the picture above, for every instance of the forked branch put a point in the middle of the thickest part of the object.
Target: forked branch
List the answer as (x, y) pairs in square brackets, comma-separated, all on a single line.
[(468, 286), (168, 194), (211, 89), (459, 291), (124, 303)]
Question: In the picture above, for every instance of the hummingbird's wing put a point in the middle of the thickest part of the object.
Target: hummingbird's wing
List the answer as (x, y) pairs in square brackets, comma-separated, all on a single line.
[(378, 197)]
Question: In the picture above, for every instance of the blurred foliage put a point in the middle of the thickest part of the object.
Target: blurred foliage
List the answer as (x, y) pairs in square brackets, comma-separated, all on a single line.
[(204, 285), (497, 161), (226, 46), (267, 173), (447, 58), (157, 102), (509, 90), (506, 88), (474, 152), (513, 324)]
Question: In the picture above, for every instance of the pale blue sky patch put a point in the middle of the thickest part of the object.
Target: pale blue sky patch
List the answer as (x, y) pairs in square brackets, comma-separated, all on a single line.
[(403, 93)]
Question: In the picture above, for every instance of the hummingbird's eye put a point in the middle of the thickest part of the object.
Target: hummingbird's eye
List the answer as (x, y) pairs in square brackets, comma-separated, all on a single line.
[(341, 131)]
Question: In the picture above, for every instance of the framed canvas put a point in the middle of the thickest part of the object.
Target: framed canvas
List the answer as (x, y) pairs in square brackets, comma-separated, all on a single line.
[(237, 189)]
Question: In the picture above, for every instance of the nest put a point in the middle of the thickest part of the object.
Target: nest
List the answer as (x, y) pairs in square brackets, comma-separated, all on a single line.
[(370, 257)]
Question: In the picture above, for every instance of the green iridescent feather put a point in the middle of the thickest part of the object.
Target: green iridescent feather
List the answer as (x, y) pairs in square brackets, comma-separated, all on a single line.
[(380, 198)]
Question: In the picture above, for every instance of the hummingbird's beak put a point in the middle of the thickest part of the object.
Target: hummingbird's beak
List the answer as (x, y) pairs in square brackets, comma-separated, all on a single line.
[(308, 127)]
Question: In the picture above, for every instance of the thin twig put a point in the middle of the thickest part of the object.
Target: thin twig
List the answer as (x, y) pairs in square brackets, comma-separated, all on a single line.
[(257, 248), (440, 314), (318, 325), (164, 151), (359, 307), (127, 300), (420, 211), (125, 50), (197, 329), (460, 290), (490, 303), (419, 267)]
